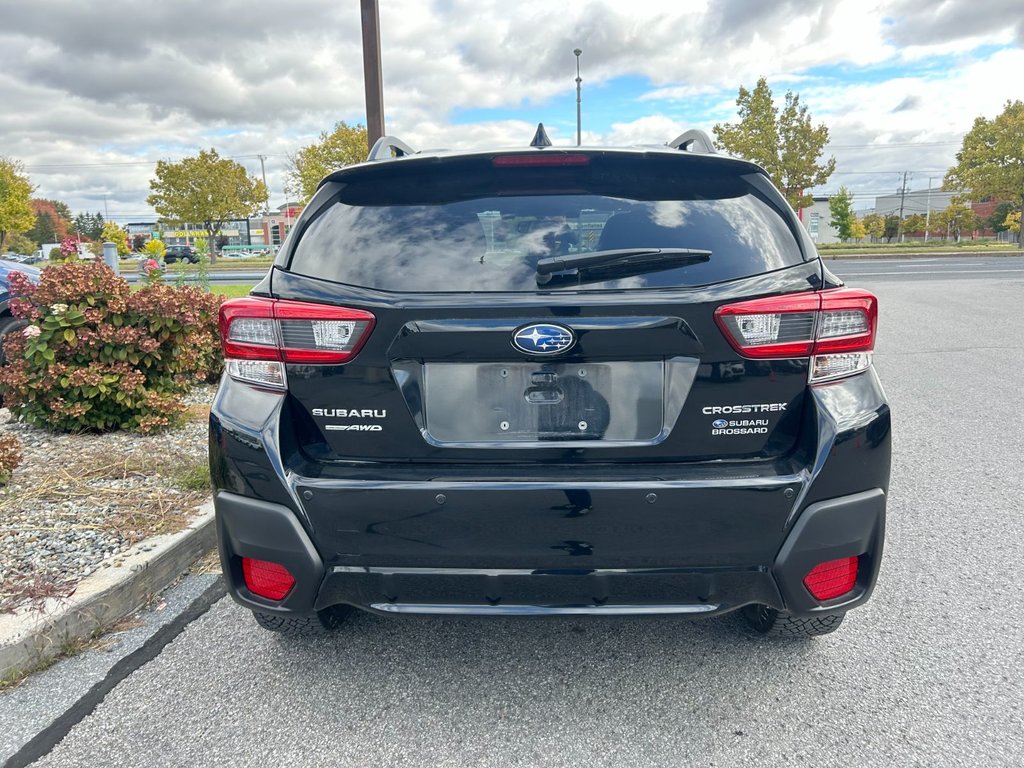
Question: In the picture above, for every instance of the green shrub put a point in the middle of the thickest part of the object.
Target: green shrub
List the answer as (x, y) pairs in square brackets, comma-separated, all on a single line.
[(98, 356)]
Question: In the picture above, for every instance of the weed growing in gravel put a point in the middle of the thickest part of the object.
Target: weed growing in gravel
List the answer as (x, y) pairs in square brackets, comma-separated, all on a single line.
[(194, 478)]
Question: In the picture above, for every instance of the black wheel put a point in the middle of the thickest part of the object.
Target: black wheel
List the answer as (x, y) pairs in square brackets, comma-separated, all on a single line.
[(296, 625), (770, 623), (186, 260)]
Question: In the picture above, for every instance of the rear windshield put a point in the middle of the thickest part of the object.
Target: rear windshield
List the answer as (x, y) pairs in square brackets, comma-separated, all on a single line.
[(466, 225)]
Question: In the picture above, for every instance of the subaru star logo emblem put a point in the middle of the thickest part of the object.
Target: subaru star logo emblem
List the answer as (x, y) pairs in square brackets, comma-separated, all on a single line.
[(719, 423), (543, 339)]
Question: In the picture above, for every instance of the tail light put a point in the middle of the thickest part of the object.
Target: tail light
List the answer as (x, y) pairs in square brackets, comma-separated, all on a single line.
[(832, 579), (835, 328), (260, 335), (270, 580)]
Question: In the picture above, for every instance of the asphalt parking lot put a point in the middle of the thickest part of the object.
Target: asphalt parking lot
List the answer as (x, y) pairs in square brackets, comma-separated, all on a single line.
[(930, 672)]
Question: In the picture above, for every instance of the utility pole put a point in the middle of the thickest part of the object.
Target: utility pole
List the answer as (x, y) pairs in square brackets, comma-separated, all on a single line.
[(373, 78), (928, 209), (263, 170), (579, 82), (903, 197)]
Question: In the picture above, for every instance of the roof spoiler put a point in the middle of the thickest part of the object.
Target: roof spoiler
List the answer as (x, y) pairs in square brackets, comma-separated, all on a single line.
[(693, 141), (387, 147)]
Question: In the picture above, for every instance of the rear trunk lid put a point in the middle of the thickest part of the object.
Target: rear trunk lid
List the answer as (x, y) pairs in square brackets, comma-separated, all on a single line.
[(479, 355)]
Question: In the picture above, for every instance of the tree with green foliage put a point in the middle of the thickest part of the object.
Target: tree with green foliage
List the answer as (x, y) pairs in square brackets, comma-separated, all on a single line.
[(88, 225), (874, 225), (345, 145), (207, 189), (996, 221), (21, 244), (956, 219), (890, 227), (786, 145), (53, 221), (990, 162), (113, 233), (914, 223), (840, 205), (16, 212)]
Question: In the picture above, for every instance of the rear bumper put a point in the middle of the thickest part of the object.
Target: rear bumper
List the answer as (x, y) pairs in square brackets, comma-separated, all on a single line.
[(848, 526)]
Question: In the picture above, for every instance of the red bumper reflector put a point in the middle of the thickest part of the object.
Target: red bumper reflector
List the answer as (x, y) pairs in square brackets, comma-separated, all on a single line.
[(832, 579), (267, 579)]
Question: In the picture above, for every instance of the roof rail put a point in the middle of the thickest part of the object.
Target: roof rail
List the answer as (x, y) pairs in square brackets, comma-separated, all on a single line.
[(387, 147), (693, 141)]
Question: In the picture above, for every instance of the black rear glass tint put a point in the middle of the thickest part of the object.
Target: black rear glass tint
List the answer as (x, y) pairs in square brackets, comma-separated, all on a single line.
[(465, 225)]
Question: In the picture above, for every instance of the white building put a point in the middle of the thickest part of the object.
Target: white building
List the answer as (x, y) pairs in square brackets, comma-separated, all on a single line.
[(816, 218), (914, 201)]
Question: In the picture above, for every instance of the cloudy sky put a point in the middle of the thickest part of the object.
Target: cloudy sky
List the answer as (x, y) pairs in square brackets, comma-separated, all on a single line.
[(93, 94)]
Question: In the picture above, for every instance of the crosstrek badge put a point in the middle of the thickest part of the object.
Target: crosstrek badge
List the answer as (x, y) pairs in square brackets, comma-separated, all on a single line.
[(714, 410)]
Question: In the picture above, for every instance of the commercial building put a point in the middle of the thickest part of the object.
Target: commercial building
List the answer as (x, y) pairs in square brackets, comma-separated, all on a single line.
[(914, 201), (236, 231), (273, 227), (816, 218)]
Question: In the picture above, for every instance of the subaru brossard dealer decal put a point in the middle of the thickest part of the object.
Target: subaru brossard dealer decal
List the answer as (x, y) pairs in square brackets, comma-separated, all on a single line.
[(742, 426)]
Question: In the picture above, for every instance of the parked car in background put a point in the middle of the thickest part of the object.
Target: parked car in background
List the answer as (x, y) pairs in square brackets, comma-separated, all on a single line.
[(186, 254)]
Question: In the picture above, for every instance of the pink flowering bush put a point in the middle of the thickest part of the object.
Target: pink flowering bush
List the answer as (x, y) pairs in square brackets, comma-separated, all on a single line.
[(97, 356), (69, 248), (151, 268)]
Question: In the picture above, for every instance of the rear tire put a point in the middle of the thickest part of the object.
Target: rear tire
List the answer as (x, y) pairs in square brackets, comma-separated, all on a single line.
[(769, 622), (297, 625)]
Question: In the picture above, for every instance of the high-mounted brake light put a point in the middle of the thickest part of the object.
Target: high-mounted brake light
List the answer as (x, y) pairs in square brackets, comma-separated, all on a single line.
[(836, 328), (260, 335), (539, 158), (266, 579)]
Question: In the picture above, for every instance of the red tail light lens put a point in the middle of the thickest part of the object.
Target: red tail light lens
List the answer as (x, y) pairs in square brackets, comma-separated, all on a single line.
[(266, 579), (833, 578), (836, 327), (260, 335)]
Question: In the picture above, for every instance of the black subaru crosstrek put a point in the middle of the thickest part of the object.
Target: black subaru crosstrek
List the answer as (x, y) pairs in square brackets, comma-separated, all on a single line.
[(549, 381)]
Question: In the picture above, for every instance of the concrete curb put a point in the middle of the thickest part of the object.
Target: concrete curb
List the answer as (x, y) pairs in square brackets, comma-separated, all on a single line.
[(30, 637)]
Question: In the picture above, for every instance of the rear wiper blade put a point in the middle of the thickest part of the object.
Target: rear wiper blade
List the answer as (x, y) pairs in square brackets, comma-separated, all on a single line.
[(554, 264)]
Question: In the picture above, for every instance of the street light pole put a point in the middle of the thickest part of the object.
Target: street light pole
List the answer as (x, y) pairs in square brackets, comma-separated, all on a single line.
[(579, 82), (373, 80)]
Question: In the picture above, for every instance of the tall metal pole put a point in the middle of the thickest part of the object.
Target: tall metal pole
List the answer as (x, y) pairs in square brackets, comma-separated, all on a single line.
[(579, 82), (903, 197), (928, 209), (372, 75), (263, 170)]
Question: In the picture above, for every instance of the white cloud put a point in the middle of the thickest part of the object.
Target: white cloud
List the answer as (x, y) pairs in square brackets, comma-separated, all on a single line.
[(143, 80)]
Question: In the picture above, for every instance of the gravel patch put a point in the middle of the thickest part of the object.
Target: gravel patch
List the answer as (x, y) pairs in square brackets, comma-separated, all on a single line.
[(81, 502)]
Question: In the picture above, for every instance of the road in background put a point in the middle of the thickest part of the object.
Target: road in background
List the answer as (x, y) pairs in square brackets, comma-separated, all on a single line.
[(929, 672), (957, 267)]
